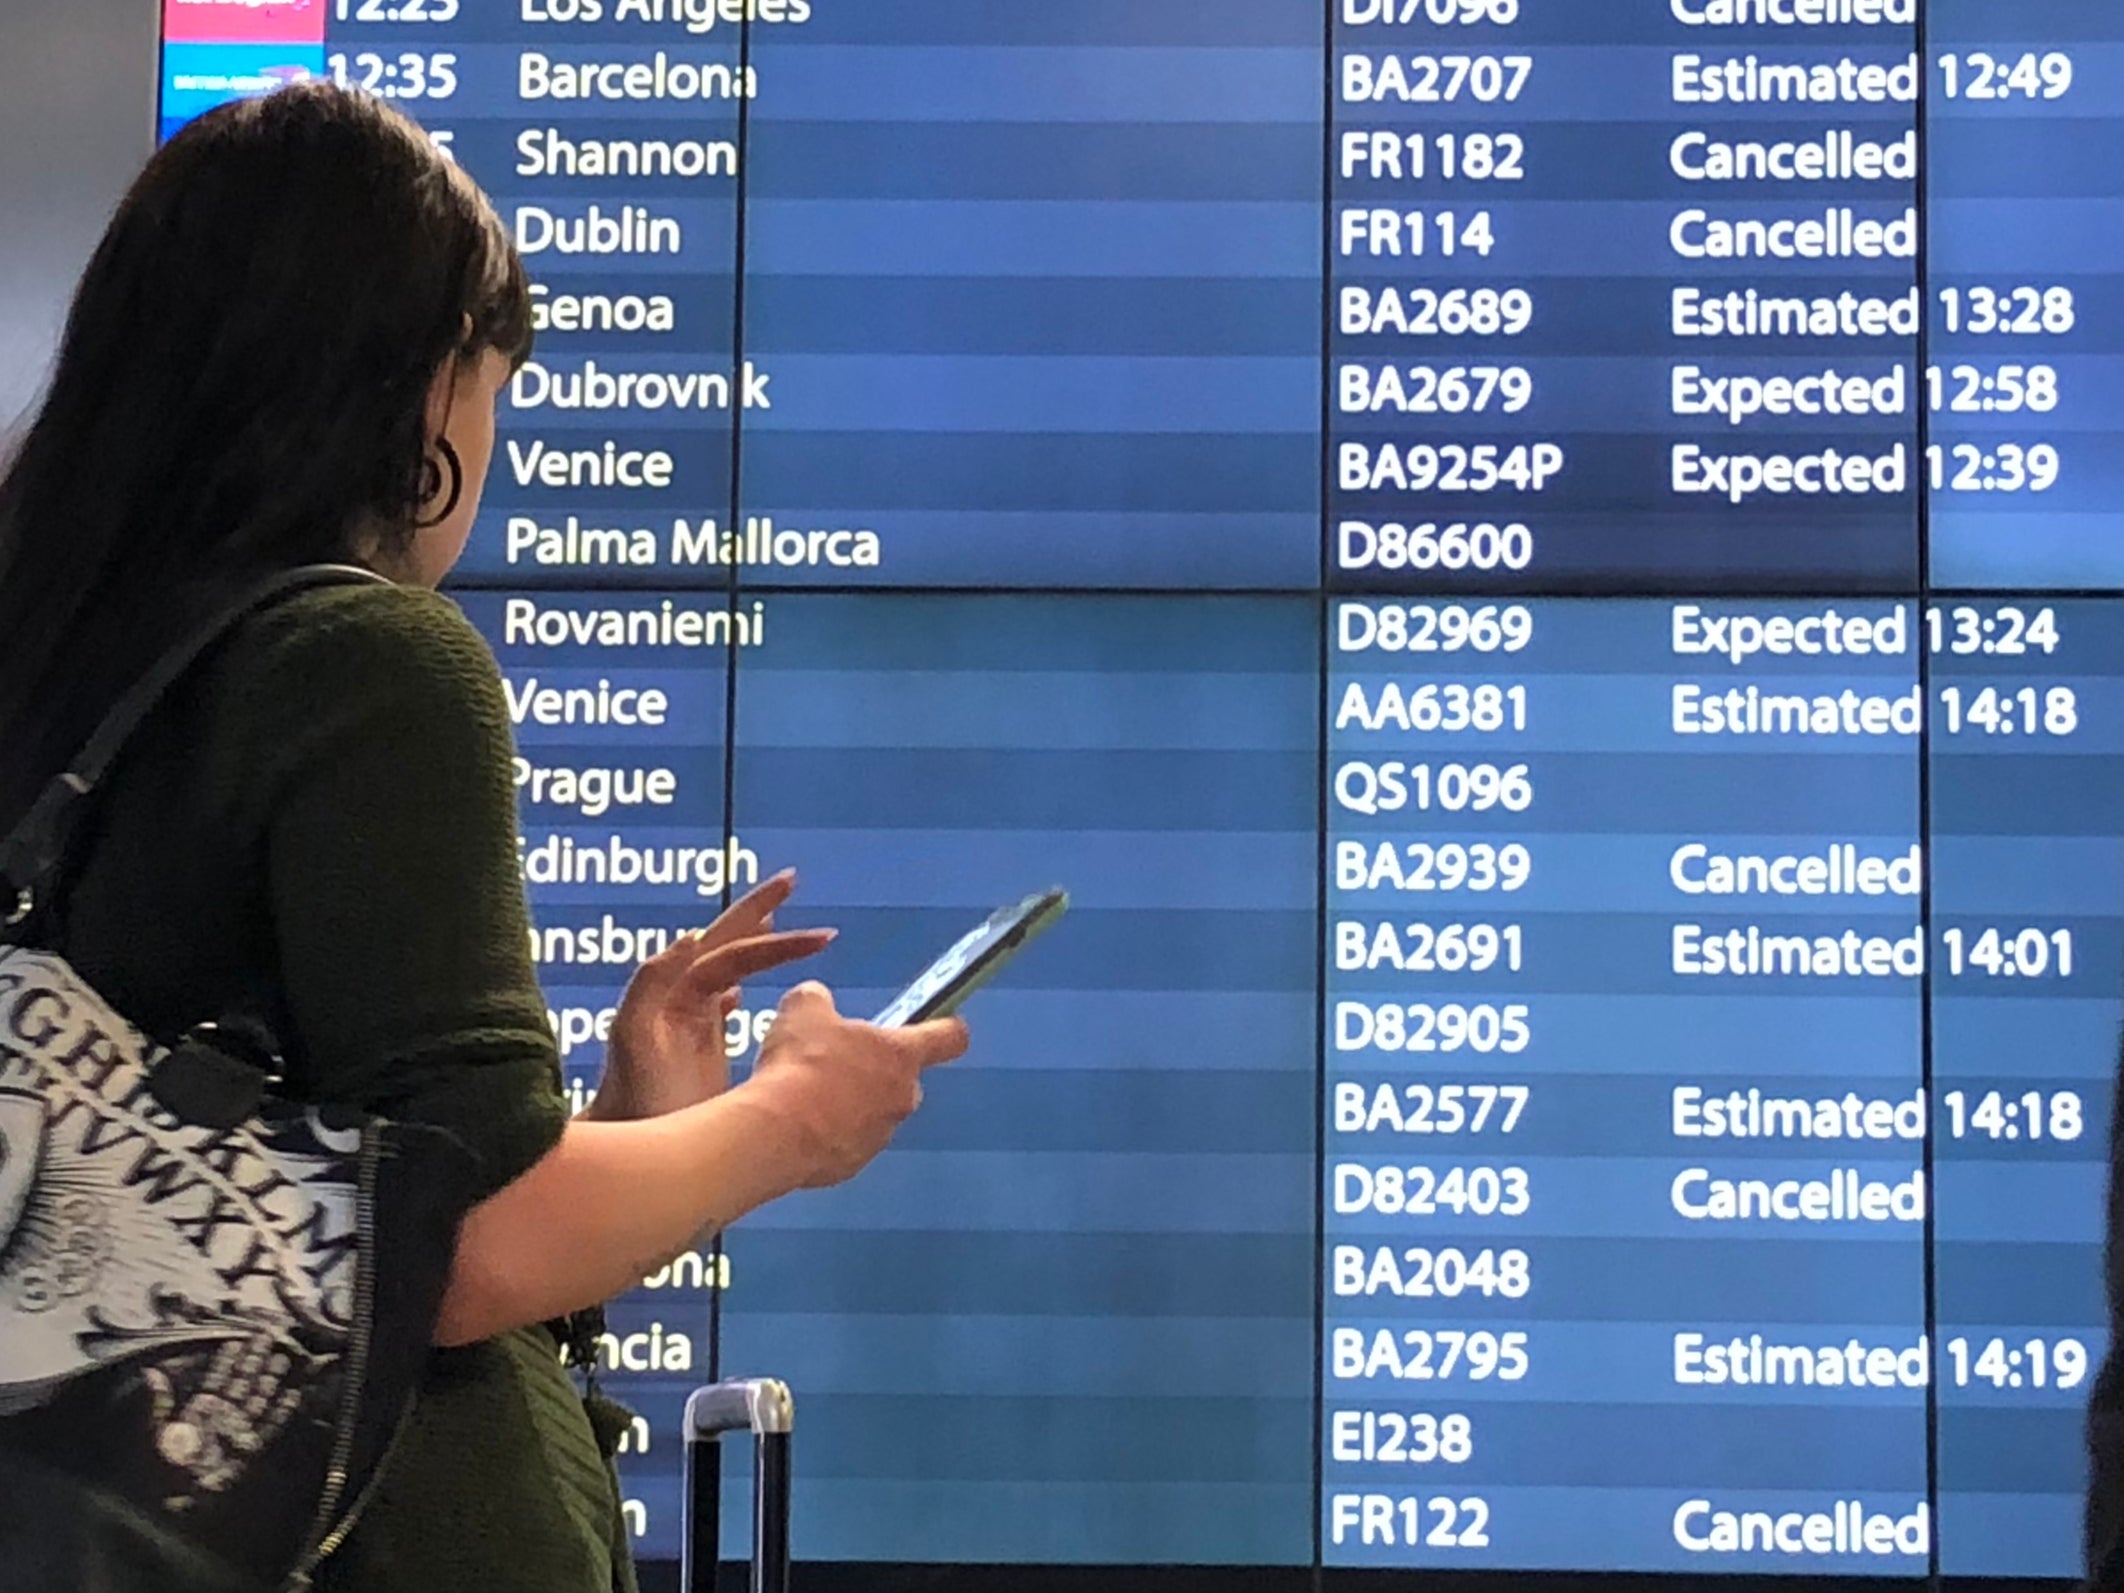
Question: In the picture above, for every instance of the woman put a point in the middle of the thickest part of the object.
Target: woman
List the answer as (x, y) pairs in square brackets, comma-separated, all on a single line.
[(287, 350)]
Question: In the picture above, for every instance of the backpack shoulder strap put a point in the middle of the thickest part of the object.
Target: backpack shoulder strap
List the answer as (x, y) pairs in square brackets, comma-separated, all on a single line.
[(30, 856)]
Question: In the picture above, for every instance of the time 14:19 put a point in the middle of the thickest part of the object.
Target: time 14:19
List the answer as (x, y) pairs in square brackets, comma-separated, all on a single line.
[(2037, 1363)]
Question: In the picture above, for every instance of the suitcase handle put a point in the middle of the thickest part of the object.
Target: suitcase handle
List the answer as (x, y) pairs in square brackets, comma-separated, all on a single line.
[(766, 1408)]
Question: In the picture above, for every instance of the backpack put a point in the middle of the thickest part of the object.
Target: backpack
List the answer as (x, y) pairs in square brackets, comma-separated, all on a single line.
[(215, 1302)]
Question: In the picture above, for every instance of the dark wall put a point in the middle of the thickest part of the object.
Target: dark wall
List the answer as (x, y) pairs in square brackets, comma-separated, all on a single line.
[(77, 117)]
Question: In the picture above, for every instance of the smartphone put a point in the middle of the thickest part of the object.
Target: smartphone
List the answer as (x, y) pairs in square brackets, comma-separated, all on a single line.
[(942, 988)]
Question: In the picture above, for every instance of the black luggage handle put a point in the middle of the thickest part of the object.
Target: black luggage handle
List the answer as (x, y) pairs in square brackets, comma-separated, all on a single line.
[(768, 1410)]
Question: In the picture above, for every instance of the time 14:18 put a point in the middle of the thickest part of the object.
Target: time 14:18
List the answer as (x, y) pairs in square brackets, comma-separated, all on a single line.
[(2029, 711), (2035, 1115)]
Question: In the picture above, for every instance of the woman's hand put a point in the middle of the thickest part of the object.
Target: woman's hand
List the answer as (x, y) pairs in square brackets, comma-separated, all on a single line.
[(837, 1088), (613, 1201), (668, 1049)]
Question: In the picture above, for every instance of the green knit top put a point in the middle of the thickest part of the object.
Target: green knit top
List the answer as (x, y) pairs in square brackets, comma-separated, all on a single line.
[(320, 826)]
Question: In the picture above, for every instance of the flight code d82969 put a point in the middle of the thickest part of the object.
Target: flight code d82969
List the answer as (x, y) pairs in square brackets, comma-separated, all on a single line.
[(1433, 628), (1433, 708)]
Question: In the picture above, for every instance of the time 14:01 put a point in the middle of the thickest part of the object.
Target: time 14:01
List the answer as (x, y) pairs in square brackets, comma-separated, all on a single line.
[(2030, 954)]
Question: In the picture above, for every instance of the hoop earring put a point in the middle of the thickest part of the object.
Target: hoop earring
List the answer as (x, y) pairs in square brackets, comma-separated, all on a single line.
[(431, 472)]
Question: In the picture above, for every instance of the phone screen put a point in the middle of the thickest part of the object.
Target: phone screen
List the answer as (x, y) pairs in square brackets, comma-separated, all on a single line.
[(974, 959)]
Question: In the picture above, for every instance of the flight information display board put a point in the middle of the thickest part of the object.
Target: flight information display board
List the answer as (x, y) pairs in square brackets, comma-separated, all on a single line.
[(1548, 575)]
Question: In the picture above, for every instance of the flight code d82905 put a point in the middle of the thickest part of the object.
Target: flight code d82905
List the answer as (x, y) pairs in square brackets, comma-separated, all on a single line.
[(1423, 1026)]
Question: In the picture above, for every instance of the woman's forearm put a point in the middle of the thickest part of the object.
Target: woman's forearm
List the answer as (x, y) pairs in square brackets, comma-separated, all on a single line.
[(611, 1203)]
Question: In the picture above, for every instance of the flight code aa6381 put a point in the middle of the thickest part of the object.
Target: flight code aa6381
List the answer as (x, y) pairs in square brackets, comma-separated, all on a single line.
[(1434, 708)]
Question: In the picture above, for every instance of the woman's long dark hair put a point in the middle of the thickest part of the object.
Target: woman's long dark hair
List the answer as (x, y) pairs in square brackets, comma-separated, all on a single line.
[(240, 387)]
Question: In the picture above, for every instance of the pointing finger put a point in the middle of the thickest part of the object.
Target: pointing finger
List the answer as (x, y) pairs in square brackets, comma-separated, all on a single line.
[(741, 959), (756, 908), (748, 915)]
